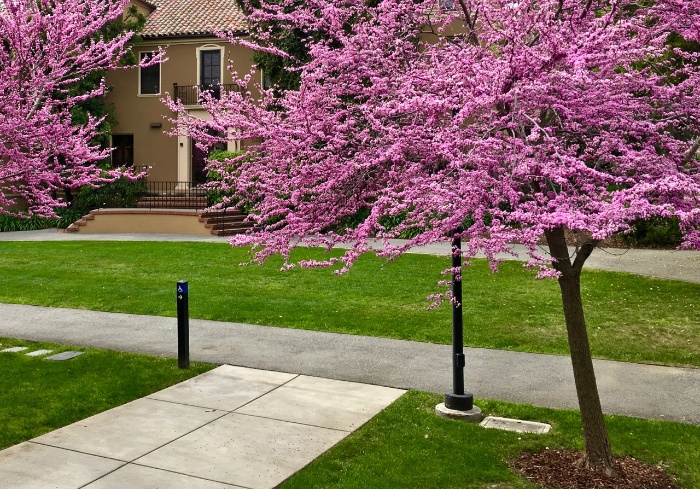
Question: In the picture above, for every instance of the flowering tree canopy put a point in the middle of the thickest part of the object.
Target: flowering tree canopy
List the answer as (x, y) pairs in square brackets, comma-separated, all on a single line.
[(530, 116), (504, 120), (45, 47)]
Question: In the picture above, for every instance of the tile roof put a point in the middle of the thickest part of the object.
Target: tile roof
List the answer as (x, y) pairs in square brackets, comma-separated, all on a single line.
[(181, 18)]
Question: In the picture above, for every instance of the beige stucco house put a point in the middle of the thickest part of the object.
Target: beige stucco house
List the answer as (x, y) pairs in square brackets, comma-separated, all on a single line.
[(196, 60)]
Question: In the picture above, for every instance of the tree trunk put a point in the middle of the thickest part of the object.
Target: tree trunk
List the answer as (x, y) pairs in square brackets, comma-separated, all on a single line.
[(598, 454)]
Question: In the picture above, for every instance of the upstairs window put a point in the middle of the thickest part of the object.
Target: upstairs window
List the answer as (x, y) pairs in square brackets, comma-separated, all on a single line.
[(149, 78), (210, 67)]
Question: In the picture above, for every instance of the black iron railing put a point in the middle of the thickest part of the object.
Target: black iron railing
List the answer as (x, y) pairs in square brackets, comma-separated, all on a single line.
[(174, 195), (192, 94)]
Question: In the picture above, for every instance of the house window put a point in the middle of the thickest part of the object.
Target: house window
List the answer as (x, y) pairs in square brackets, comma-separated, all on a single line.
[(123, 150), (149, 78), (266, 81), (210, 67)]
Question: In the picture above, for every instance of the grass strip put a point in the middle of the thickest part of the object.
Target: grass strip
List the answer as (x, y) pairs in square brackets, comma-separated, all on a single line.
[(630, 318), (39, 396), (407, 445)]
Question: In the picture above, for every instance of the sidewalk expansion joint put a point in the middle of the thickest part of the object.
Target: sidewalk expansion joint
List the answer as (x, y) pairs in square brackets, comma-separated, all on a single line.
[(297, 422), (78, 451)]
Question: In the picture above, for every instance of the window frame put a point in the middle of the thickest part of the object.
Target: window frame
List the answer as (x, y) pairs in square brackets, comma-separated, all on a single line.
[(210, 47), (160, 76)]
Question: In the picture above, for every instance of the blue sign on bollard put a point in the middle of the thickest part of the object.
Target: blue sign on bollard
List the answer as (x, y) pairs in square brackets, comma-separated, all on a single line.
[(182, 287)]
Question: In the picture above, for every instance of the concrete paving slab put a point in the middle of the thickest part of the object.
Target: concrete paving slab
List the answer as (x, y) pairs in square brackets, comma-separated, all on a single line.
[(132, 430), (64, 355), (329, 403), (14, 349), (38, 353), (34, 466), (226, 387), (137, 476), (253, 452), (517, 425)]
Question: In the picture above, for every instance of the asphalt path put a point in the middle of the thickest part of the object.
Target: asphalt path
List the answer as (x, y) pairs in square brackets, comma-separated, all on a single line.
[(645, 391)]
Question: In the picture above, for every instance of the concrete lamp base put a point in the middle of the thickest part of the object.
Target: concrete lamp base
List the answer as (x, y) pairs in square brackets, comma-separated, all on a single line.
[(474, 415)]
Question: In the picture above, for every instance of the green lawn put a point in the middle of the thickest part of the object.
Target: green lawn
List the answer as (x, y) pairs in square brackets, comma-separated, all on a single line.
[(408, 446), (630, 318), (39, 396)]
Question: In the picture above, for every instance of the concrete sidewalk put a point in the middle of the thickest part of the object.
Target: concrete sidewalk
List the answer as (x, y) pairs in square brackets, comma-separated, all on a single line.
[(231, 427), (645, 391)]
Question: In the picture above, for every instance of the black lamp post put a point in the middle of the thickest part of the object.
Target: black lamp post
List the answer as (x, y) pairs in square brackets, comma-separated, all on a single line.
[(458, 399)]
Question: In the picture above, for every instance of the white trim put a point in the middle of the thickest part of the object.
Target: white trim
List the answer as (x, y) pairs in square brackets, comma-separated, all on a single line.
[(160, 78), (210, 47)]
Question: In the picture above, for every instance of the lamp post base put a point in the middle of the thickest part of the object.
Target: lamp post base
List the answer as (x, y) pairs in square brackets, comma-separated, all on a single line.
[(459, 402), (474, 415)]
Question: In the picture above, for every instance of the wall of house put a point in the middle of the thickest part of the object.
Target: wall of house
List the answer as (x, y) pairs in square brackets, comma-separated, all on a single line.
[(140, 8), (138, 114)]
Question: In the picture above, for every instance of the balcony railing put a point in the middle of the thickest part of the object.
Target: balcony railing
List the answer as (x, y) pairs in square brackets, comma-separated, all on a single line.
[(192, 94)]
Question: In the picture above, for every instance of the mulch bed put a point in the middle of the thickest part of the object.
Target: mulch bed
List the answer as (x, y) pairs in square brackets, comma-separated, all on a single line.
[(558, 469)]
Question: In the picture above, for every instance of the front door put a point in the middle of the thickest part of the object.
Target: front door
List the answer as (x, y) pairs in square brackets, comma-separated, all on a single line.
[(199, 157), (122, 150)]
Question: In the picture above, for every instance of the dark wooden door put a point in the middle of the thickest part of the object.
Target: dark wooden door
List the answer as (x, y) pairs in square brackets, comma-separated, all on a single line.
[(123, 152)]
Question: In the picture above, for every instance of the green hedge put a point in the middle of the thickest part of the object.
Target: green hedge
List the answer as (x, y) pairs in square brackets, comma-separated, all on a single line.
[(121, 193), (217, 196), (657, 232)]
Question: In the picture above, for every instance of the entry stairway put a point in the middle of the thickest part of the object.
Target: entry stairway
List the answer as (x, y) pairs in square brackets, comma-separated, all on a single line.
[(154, 215)]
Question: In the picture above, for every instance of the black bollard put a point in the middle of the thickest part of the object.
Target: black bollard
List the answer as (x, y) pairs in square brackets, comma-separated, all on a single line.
[(183, 326)]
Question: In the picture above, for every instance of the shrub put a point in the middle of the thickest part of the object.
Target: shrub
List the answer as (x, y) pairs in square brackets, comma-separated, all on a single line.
[(657, 232), (121, 193), (66, 217), (15, 223), (217, 196)]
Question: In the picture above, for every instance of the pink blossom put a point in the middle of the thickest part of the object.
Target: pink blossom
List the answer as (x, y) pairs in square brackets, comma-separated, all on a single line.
[(47, 45), (536, 115)]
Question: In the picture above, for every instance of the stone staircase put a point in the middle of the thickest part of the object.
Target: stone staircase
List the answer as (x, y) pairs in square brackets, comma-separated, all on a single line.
[(75, 227), (172, 220), (225, 223), (169, 207)]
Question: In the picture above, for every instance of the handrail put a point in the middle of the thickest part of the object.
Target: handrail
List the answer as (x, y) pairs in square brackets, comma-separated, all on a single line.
[(181, 195), (192, 94)]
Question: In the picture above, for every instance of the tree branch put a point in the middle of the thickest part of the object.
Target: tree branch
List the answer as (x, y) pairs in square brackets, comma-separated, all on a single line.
[(583, 253), (692, 152)]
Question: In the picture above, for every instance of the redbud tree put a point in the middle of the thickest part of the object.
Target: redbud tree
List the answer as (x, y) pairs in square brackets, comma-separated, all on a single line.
[(46, 46), (507, 121)]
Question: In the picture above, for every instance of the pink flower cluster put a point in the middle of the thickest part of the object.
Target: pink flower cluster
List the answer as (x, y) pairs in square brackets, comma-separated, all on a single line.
[(501, 118), (45, 47)]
